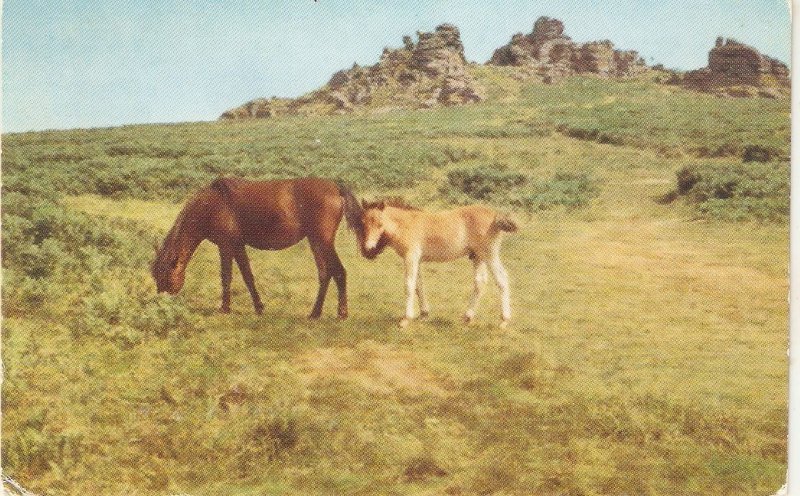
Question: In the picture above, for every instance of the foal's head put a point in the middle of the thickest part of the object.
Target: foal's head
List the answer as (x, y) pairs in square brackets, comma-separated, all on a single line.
[(374, 238), (375, 223)]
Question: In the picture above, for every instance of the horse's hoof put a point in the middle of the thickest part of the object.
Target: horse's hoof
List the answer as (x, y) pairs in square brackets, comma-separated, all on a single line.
[(504, 324), (468, 320), (314, 316), (424, 315), (259, 310), (404, 322), (342, 315), (225, 310)]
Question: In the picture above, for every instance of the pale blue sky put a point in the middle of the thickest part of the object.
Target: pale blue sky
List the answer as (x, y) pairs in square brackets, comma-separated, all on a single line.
[(89, 63)]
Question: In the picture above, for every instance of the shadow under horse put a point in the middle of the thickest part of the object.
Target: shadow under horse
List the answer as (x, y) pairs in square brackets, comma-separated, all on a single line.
[(268, 215)]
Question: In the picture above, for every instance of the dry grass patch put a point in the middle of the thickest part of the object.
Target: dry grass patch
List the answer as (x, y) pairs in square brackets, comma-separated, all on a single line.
[(378, 368)]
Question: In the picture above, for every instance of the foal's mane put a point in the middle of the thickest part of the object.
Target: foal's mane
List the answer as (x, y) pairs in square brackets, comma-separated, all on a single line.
[(391, 201)]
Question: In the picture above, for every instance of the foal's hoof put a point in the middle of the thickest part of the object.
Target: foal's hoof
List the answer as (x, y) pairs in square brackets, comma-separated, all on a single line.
[(342, 315), (404, 322), (468, 319), (424, 315), (259, 310), (225, 310), (313, 316), (504, 324)]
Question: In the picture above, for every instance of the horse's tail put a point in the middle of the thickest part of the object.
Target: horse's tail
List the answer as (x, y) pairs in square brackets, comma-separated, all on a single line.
[(352, 210), (504, 222)]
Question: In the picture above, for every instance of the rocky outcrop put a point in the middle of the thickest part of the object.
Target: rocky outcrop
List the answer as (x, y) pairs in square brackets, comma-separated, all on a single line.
[(553, 55), (259, 108), (736, 69), (431, 72)]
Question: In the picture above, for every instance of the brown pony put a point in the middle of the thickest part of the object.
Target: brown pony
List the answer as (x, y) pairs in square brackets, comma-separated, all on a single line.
[(267, 215)]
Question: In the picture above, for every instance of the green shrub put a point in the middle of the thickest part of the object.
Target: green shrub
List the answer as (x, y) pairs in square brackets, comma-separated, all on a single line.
[(483, 183), (590, 135), (498, 185), (563, 189), (756, 153), (743, 191), (145, 150)]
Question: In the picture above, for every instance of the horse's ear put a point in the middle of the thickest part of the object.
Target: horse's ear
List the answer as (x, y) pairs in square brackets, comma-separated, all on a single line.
[(381, 205)]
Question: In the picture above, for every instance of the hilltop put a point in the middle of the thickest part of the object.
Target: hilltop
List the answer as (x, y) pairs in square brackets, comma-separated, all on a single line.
[(739, 70), (433, 72), (429, 73), (548, 53)]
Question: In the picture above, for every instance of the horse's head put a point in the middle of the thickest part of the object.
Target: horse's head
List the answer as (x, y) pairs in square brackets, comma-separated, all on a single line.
[(169, 267), (373, 220), (168, 270)]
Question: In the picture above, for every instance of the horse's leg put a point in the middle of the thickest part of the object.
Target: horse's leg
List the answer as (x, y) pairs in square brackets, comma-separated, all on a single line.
[(340, 277), (501, 278), (321, 258), (244, 267), (481, 276), (225, 269), (412, 273), (424, 309)]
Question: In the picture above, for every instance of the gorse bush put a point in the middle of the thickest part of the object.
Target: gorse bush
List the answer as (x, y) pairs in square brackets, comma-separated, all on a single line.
[(483, 183), (117, 316), (743, 191), (120, 163), (563, 189), (40, 236), (757, 153), (51, 254), (497, 184)]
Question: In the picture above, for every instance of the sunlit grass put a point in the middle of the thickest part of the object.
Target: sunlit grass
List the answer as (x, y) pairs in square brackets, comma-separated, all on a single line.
[(646, 353)]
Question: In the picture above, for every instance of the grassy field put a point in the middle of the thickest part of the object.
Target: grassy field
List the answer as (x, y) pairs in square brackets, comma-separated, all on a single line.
[(647, 353)]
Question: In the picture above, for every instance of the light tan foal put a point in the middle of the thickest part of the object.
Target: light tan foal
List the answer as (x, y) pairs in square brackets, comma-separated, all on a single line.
[(419, 236)]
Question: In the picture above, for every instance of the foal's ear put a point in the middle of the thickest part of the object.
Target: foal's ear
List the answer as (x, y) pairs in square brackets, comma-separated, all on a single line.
[(381, 205)]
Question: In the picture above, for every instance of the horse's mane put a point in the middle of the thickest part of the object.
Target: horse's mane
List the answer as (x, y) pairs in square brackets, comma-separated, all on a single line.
[(168, 251), (391, 201), (169, 247)]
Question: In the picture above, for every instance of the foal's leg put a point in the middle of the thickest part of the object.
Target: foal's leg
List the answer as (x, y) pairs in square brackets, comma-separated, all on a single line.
[(501, 278), (321, 258), (225, 269), (481, 276), (423, 300), (412, 272), (244, 267)]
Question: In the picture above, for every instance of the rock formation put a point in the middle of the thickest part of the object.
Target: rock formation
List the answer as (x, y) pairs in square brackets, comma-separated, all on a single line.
[(736, 69), (259, 108), (553, 56), (431, 72)]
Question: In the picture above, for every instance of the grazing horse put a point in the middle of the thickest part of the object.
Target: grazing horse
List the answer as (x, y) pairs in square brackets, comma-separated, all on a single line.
[(267, 215), (473, 231)]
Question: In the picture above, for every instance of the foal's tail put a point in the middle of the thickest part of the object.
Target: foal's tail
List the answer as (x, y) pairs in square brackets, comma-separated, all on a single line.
[(352, 210), (504, 222)]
